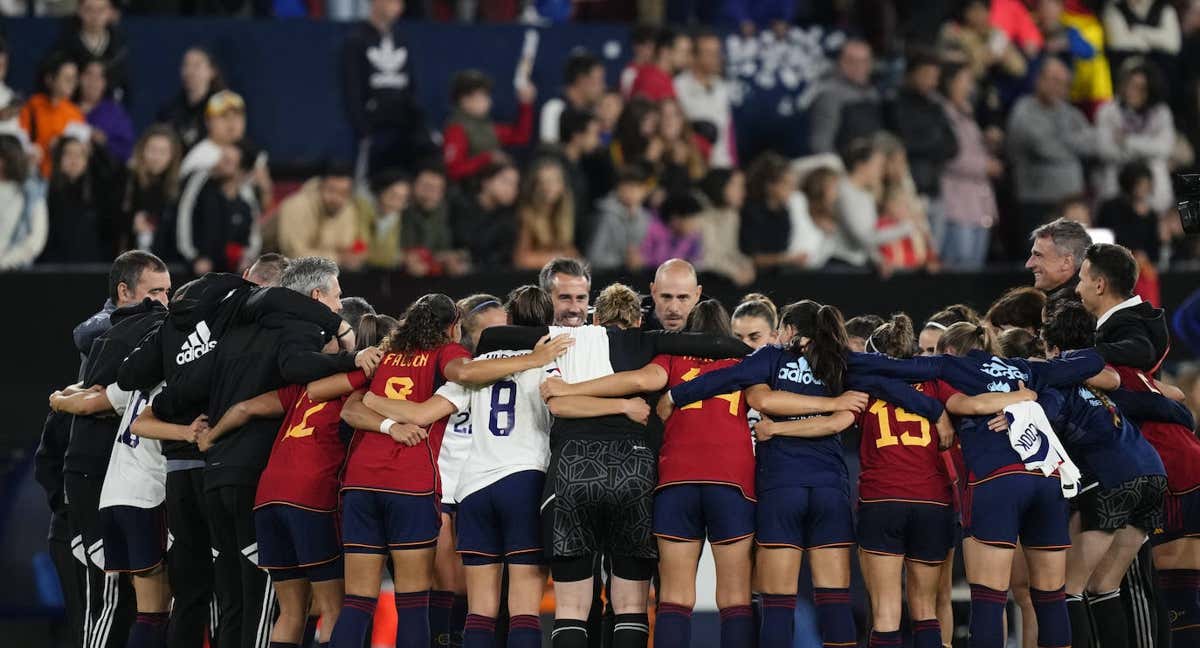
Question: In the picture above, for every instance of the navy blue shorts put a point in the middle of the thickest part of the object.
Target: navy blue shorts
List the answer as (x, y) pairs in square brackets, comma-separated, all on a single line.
[(379, 522), (501, 522), (918, 531), (1181, 518), (1003, 509), (135, 539), (450, 508), (805, 517), (694, 512), (298, 543)]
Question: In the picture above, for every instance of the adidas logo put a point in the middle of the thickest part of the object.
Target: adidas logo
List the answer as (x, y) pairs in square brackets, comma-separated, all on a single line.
[(197, 344)]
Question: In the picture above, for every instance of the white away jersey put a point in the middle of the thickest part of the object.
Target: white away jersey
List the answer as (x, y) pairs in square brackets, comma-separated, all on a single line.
[(456, 444), (510, 426), (137, 469)]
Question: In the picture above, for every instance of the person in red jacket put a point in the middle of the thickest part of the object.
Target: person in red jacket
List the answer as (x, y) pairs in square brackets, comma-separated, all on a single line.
[(656, 80), (472, 140)]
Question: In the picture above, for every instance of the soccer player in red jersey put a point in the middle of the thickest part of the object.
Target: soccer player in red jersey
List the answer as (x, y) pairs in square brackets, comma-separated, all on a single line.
[(391, 488)]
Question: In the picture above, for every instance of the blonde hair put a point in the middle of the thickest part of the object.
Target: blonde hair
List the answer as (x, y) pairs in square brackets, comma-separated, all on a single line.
[(618, 305), (550, 225)]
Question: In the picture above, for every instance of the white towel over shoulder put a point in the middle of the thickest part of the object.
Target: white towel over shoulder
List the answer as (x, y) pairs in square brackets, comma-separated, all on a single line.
[(589, 357), (1029, 426)]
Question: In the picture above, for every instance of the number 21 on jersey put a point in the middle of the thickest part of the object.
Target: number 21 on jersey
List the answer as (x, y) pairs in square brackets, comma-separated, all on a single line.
[(734, 398)]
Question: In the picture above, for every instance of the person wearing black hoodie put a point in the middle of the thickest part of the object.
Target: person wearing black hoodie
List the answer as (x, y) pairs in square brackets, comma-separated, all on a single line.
[(109, 604), (251, 359), (126, 285), (198, 316)]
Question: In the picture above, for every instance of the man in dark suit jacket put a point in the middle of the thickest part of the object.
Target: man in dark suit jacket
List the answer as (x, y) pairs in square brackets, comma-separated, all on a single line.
[(1129, 331)]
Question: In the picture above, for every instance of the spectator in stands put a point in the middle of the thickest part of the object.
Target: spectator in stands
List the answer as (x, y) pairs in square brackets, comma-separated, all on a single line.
[(153, 185), (622, 222), (381, 224), (766, 225), (655, 79), (485, 223), (1137, 126), (847, 107), (225, 120), (720, 226), (814, 219), (426, 235), (859, 236), (683, 161), (635, 140), (1047, 141), (217, 228), (969, 204), (112, 129), (1059, 39), (583, 85), (1143, 28), (320, 220), (704, 95), (900, 207), (608, 111), (973, 40), (923, 127), (1131, 214), (79, 206), (380, 92), (545, 216), (23, 219), (1012, 17), (472, 140), (675, 234), (47, 113), (641, 41), (200, 79), (9, 102), (579, 134), (92, 34)]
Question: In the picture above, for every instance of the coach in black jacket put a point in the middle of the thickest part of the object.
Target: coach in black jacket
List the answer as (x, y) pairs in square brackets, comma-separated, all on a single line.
[(250, 360), (1129, 331)]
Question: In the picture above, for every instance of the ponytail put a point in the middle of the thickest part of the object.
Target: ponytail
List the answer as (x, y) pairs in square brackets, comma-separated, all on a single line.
[(826, 352), (425, 325), (895, 338), (964, 337)]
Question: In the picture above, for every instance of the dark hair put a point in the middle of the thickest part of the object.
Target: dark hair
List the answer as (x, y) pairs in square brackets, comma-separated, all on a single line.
[(336, 169), (573, 122), (764, 172), (763, 308), (709, 316), (562, 265), (424, 325), (895, 338), (1019, 307), (919, 56), (373, 329), (827, 346), (863, 325), (494, 169), (949, 71), (436, 168), (51, 67), (960, 13), (579, 64), (680, 205), (13, 159), (269, 268), (1019, 343), (1116, 264), (857, 152), (951, 315), (529, 305), (1131, 174), (354, 308), (469, 310), (665, 39), (469, 82), (1156, 85), (389, 177), (713, 185), (964, 337), (643, 34), (108, 86), (57, 179), (1070, 326), (128, 268), (628, 130), (218, 81), (634, 172)]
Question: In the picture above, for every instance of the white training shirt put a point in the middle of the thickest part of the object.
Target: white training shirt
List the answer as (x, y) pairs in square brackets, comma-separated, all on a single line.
[(456, 444), (137, 469), (510, 426)]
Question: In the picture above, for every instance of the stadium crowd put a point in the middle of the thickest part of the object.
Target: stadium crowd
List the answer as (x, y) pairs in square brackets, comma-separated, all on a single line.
[(938, 139)]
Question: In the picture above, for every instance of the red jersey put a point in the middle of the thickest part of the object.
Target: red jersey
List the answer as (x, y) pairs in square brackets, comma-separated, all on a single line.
[(900, 456), (307, 445), (708, 441), (376, 461), (1176, 444)]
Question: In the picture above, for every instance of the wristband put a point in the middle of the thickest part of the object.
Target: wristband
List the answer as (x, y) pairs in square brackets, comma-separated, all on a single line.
[(386, 425)]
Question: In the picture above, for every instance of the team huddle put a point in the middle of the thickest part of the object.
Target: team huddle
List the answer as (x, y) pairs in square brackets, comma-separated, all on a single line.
[(251, 455)]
